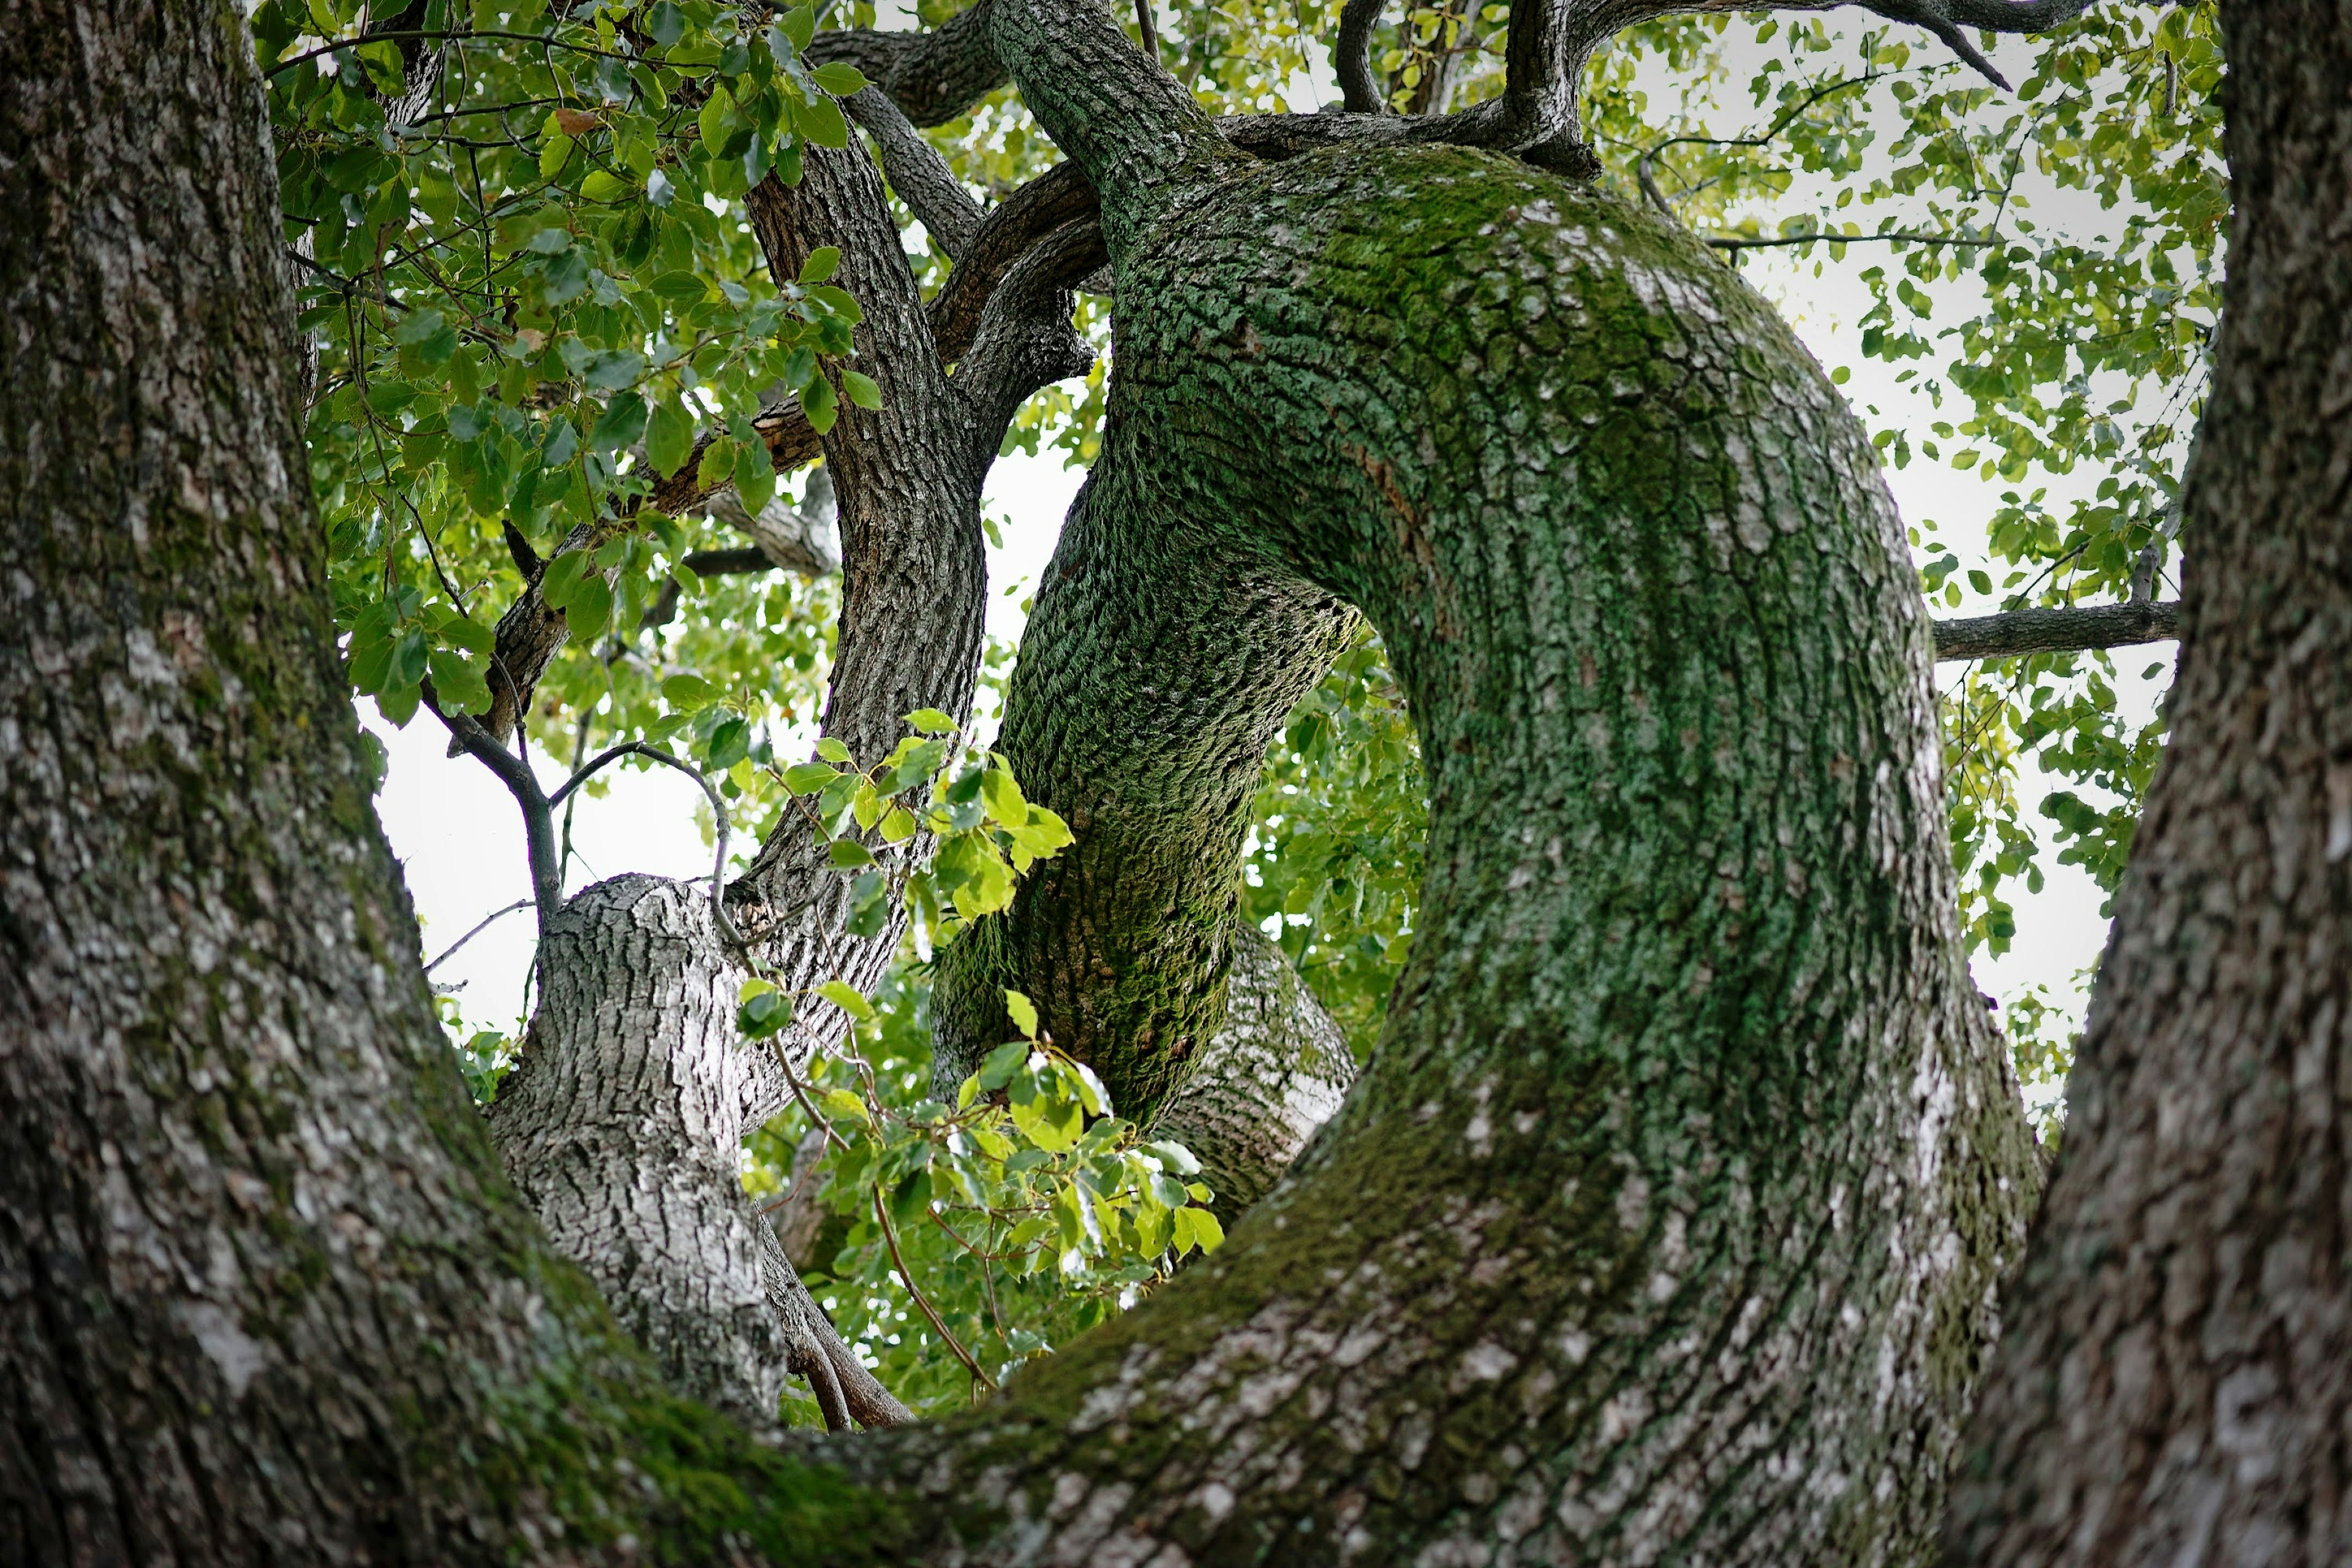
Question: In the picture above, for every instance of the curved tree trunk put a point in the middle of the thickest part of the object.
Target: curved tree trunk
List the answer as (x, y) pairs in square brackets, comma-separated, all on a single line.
[(1664, 1225), (2175, 1385), (1665, 1222)]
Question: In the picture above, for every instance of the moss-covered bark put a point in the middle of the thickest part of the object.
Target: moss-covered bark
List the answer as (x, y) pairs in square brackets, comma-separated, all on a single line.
[(1666, 1219), (265, 1296), (1662, 1225)]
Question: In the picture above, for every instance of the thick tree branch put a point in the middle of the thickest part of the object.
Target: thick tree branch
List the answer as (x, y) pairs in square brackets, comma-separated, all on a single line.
[(1273, 1073), (2071, 630), (1140, 135), (1059, 196), (1025, 339), (932, 76), (917, 173)]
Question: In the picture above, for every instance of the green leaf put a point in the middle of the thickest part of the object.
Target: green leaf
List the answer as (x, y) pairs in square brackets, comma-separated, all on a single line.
[(755, 475), (799, 25), (820, 120), (817, 403), (1023, 1012), (840, 78), (669, 436), (562, 576), (731, 742), (459, 685), (833, 751), (603, 185), (1003, 799), (847, 854), (847, 998), (1175, 1156), (861, 389), (764, 1014), (471, 636), (807, 778), (620, 426), (716, 119), (843, 1103), (931, 721), (590, 607), (554, 155), (997, 1068), (821, 264), (689, 692)]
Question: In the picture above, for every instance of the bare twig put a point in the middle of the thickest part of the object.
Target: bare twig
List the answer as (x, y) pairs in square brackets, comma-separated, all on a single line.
[(923, 1302), (488, 921)]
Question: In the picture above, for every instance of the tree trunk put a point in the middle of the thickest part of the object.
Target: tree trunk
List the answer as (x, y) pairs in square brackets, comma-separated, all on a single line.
[(2176, 1382), (265, 1296), (1665, 1222)]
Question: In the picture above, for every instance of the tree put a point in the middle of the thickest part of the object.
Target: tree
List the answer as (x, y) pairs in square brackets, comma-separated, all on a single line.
[(1670, 1216)]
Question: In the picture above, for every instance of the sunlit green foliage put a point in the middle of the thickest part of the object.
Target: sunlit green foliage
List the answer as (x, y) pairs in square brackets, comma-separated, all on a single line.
[(1023, 1213)]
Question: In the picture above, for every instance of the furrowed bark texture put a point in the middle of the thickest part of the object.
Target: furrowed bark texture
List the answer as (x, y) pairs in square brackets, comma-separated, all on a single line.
[(2177, 1385), (264, 1295), (1140, 711), (1665, 1224), (1275, 1071), (623, 1119)]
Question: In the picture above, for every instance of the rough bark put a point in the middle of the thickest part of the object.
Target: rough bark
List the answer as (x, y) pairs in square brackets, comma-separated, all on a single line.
[(625, 1117), (2177, 1382), (1665, 1222), (2069, 630), (264, 1295), (1275, 1071), (1140, 711)]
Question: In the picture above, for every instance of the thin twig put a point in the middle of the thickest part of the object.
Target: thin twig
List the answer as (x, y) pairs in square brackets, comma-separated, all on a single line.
[(890, 1236), (710, 792), (488, 921)]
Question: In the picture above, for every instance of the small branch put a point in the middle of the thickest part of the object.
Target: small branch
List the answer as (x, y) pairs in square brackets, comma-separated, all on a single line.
[(718, 811), (890, 1236), (728, 562), (2071, 630), (1720, 243), (1025, 339), (488, 921), (932, 76), (1952, 20), (917, 172), (1058, 196), (538, 813), (1148, 29)]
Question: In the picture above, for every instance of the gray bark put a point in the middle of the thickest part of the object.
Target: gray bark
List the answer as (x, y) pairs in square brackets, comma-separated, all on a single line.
[(264, 1295), (2069, 630), (1275, 1071), (625, 1117), (2178, 1379)]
